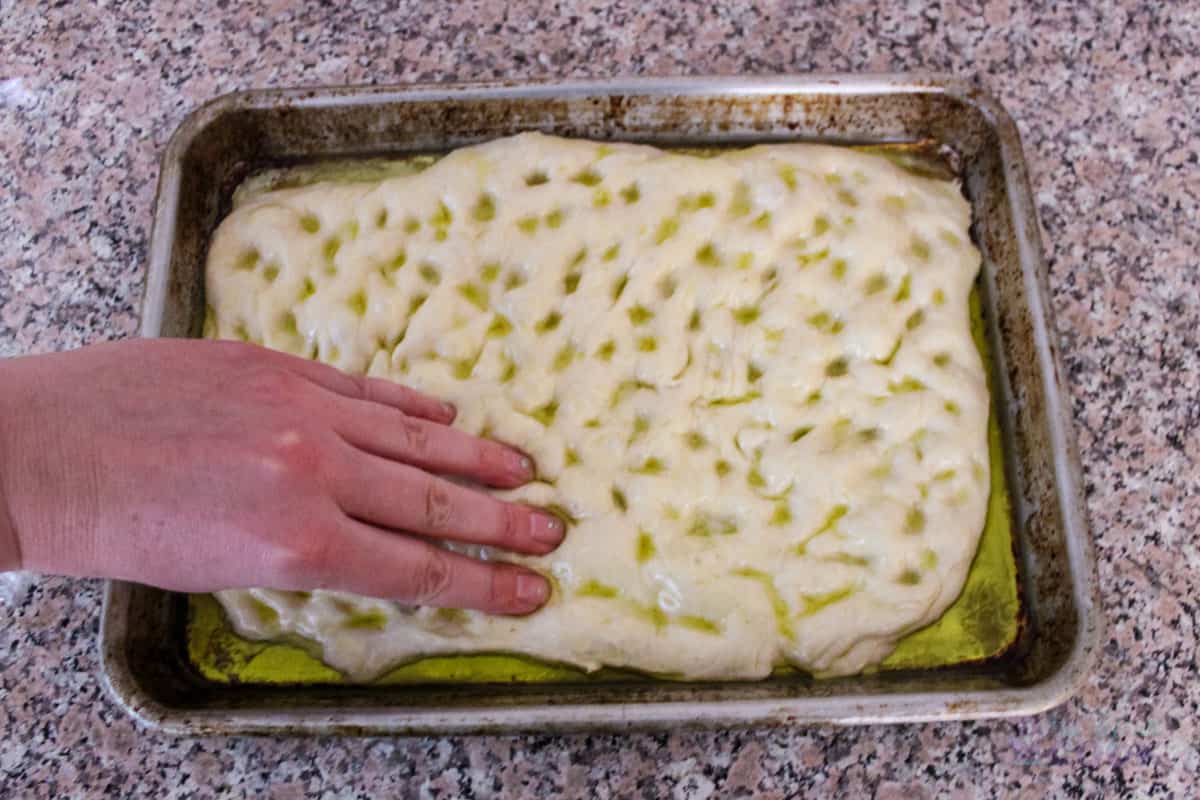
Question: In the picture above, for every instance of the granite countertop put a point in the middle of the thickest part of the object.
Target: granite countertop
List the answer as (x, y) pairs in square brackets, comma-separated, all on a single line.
[(1105, 95)]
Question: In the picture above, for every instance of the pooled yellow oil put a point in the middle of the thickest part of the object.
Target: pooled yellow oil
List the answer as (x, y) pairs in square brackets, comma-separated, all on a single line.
[(982, 623), (985, 619)]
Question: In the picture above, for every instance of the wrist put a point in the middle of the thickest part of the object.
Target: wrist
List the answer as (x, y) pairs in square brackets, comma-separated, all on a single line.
[(48, 480), (10, 544)]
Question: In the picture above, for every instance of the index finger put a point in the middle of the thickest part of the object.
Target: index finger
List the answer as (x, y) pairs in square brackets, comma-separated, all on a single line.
[(359, 387)]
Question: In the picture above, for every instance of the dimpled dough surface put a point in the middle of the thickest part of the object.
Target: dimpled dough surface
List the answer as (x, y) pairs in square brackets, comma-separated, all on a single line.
[(747, 380)]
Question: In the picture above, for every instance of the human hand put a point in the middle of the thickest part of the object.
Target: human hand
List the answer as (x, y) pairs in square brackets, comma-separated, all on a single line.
[(199, 466)]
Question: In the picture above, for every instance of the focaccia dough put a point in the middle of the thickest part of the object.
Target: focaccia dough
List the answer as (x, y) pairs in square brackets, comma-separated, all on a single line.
[(748, 379)]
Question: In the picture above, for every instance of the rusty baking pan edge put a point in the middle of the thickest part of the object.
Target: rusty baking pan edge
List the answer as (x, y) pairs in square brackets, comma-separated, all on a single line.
[(160, 698)]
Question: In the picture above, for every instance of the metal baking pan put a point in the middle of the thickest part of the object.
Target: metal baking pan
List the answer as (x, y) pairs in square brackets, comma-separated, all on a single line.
[(144, 660)]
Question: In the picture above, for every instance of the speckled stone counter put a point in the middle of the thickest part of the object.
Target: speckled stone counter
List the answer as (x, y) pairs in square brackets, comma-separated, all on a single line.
[(1105, 97)]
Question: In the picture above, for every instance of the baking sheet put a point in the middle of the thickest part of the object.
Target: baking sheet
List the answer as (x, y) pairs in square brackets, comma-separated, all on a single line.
[(143, 647)]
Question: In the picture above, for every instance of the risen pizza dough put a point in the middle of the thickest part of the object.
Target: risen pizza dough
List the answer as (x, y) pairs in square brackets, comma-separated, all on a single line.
[(748, 379)]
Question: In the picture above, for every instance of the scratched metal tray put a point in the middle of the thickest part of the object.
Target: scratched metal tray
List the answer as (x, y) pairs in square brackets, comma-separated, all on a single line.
[(145, 664)]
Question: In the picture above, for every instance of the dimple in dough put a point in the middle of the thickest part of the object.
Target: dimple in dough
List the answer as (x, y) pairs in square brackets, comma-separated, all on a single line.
[(748, 380)]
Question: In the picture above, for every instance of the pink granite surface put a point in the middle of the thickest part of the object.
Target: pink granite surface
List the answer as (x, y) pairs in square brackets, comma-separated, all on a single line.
[(1106, 96)]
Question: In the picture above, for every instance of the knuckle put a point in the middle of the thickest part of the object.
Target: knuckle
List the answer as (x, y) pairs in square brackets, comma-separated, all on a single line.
[(368, 389), (291, 453), (273, 387), (431, 576), (439, 507), (414, 438), (307, 557), (355, 386)]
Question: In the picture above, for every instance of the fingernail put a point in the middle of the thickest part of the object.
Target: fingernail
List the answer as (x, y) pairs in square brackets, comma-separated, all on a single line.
[(546, 529), (449, 411), (520, 465), (523, 465), (532, 589)]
